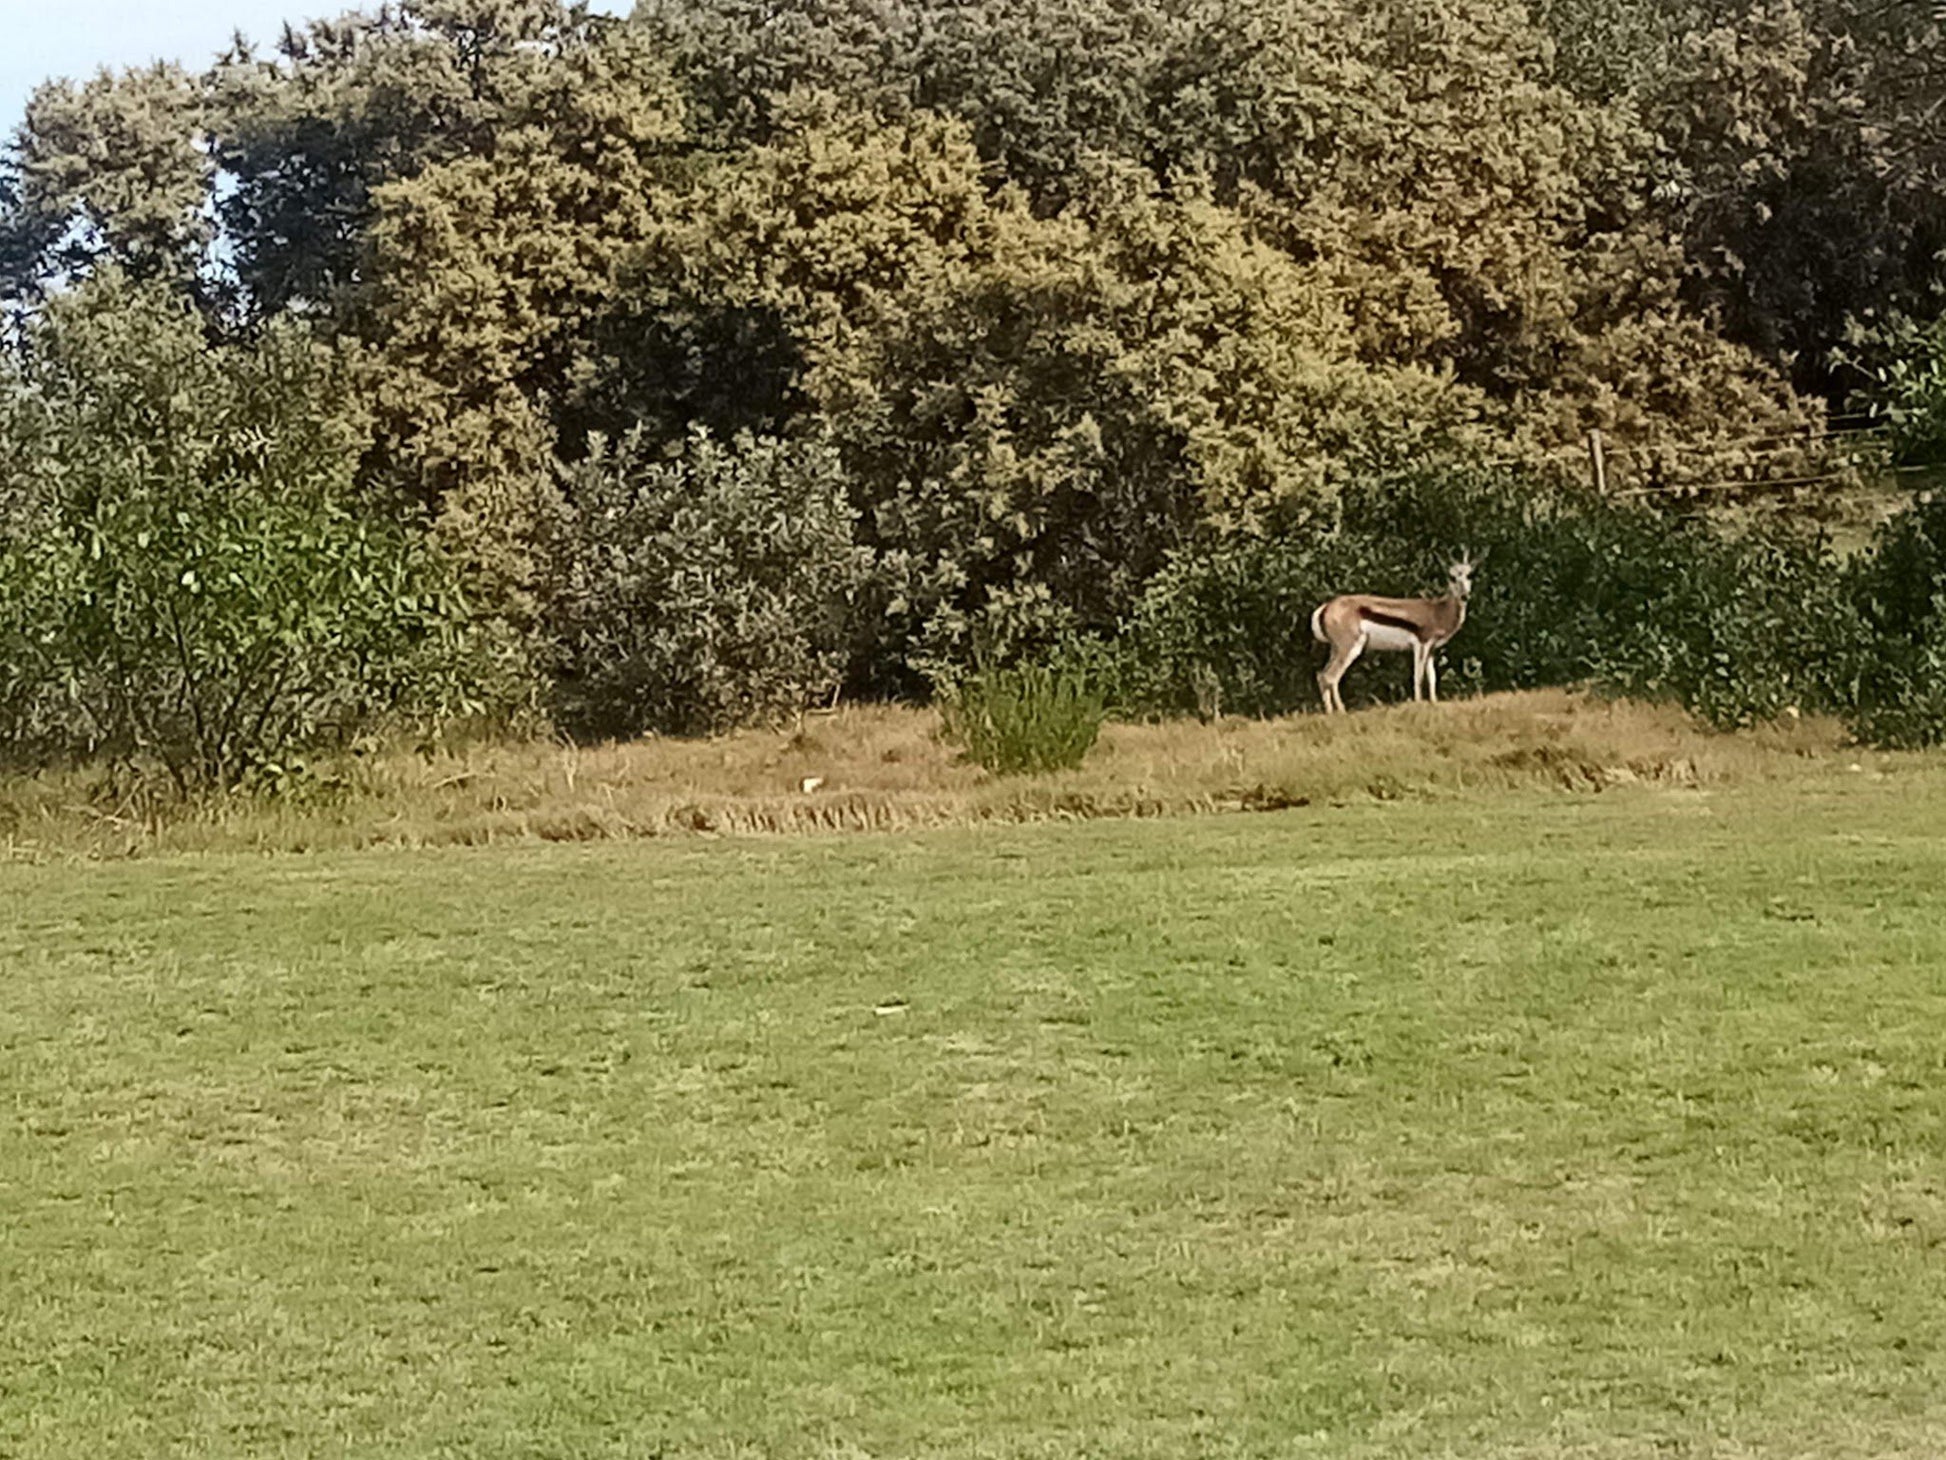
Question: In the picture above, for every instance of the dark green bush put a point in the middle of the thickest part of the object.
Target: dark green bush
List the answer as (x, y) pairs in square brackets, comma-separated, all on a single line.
[(1025, 718), (1221, 629), (1571, 589), (701, 593), (1899, 590), (214, 636), (1741, 630)]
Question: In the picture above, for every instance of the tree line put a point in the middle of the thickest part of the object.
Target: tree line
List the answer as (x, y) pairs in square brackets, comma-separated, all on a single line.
[(671, 371)]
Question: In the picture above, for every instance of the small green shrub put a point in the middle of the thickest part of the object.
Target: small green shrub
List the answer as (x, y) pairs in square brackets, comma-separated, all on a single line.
[(1902, 705), (1024, 719), (1740, 629)]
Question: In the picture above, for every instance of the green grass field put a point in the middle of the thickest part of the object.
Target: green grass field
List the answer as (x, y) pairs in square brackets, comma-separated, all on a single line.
[(1514, 1124)]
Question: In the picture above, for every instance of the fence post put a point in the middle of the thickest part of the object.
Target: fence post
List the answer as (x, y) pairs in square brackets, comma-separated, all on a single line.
[(1598, 461)]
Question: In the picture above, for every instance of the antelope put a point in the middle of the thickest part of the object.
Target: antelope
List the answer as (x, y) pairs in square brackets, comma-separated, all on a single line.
[(1354, 622)]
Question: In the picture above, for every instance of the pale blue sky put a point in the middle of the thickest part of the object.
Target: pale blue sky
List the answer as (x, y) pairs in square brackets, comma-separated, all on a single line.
[(44, 38)]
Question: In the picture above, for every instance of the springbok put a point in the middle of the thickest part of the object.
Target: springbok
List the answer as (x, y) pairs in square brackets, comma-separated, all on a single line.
[(1354, 622)]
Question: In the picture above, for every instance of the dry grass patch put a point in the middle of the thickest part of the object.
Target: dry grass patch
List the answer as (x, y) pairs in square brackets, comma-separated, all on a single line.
[(878, 768)]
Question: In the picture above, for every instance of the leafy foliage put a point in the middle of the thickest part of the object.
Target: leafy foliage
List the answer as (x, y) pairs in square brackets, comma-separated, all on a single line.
[(109, 171), (187, 577), (1572, 590), (1798, 166), (1899, 588), (1474, 215), (1903, 365), (704, 592), (1033, 411), (482, 166)]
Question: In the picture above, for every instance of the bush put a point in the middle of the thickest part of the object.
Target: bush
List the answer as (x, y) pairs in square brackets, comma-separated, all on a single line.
[(1023, 719), (1222, 628), (1899, 590), (1572, 589), (1902, 362), (1740, 630), (217, 637), (186, 579), (701, 593)]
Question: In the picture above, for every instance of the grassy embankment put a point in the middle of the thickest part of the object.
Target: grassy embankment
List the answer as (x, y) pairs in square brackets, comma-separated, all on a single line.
[(1499, 1123), (885, 768)]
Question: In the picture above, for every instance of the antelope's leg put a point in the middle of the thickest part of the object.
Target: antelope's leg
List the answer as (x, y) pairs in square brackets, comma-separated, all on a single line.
[(1343, 656), (1420, 656), (1432, 676)]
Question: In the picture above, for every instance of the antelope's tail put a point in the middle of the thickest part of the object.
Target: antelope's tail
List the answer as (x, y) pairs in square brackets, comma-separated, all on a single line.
[(1317, 623)]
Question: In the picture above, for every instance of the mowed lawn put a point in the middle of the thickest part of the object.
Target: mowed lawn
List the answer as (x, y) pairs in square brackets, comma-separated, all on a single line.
[(1534, 1125)]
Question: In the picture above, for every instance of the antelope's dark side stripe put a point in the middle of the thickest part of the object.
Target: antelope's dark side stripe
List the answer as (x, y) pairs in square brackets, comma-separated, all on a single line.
[(1373, 616)]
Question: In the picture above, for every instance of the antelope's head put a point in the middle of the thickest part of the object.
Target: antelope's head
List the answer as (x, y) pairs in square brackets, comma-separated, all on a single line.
[(1459, 579)]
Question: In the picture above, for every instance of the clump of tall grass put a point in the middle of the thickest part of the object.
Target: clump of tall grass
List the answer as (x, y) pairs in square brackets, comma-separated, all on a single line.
[(1023, 719)]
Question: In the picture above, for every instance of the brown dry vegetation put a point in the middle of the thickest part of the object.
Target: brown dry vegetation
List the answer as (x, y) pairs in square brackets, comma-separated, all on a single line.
[(886, 768)]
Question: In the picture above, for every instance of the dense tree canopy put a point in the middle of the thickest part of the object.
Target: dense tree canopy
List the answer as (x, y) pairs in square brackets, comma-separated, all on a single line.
[(1059, 287), (109, 171)]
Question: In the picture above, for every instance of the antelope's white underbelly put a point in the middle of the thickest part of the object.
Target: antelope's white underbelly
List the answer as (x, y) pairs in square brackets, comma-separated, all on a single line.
[(1384, 636)]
